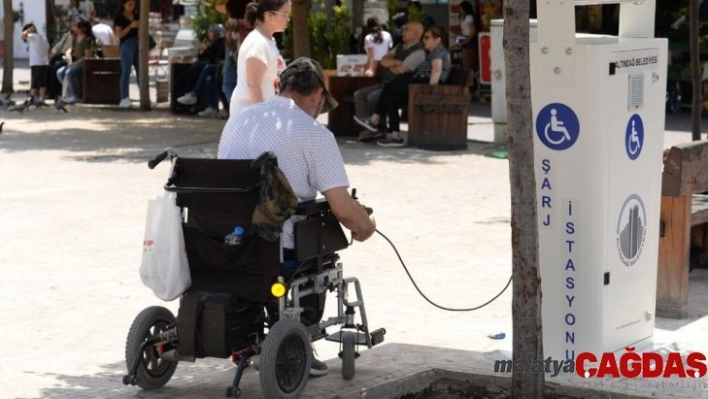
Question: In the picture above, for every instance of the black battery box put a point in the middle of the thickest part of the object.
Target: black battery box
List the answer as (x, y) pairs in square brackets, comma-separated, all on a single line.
[(215, 325)]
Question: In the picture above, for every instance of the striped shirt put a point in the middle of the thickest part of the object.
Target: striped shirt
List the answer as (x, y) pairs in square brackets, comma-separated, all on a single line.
[(426, 67)]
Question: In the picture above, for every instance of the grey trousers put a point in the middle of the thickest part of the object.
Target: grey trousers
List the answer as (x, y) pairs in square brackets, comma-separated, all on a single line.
[(365, 100)]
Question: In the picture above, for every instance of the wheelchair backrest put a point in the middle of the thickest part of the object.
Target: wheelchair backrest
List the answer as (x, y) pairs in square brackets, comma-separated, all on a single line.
[(216, 195)]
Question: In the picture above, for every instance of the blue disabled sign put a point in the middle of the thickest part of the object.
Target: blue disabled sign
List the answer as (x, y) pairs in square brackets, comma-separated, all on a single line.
[(557, 126), (634, 137)]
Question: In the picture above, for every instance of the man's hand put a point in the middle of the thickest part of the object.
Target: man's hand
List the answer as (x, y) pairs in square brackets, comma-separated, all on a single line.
[(361, 237), (350, 213)]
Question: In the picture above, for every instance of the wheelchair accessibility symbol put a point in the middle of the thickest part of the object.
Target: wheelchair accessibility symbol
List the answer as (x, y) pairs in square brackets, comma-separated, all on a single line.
[(634, 137), (557, 126)]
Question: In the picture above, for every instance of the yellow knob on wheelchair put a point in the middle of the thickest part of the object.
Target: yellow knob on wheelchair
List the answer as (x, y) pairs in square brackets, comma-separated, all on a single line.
[(278, 289)]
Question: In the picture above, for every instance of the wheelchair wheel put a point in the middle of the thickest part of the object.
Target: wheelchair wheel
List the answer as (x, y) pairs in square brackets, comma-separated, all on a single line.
[(285, 360), (348, 355), (153, 371)]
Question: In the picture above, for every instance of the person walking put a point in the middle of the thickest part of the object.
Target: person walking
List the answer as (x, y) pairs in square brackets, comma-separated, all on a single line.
[(126, 24), (259, 62)]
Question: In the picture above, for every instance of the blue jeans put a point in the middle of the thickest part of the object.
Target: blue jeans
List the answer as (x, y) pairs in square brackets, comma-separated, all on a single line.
[(228, 76), (207, 72), (213, 83), (128, 59), (74, 71)]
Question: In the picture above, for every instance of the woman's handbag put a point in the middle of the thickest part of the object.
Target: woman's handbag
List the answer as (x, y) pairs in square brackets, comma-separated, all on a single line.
[(164, 267)]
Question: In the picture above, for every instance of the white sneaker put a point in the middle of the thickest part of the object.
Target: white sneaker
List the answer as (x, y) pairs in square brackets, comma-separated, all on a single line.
[(125, 103), (208, 111), (187, 99)]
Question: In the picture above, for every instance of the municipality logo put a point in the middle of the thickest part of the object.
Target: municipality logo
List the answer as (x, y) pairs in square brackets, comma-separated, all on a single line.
[(631, 230)]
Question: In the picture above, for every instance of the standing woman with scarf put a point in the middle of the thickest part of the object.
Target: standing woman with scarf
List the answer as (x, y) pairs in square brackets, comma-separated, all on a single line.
[(125, 24)]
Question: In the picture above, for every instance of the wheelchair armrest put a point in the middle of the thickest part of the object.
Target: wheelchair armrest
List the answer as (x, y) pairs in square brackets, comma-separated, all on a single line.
[(313, 207)]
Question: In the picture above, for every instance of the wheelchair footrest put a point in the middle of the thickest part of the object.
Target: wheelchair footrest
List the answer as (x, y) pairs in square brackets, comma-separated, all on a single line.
[(337, 337)]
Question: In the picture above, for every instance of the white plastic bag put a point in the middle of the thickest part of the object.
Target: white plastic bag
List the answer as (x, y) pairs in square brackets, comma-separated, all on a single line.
[(164, 266)]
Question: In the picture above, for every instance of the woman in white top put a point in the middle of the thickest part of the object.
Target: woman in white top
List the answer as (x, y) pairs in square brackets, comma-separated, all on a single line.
[(259, 62), (377, 43), (468, 41)]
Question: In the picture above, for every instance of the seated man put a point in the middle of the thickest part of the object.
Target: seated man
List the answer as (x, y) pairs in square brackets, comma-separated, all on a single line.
[(403, 59), (434, 70), (307, 154)]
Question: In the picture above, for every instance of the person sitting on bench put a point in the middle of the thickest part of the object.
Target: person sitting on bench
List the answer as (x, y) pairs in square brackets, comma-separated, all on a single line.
[(307, 154), (434, 70), (403, 59), (82, 48), (211, 52)]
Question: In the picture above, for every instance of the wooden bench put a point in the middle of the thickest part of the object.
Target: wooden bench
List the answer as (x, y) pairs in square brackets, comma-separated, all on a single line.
[(683, 216), (341, 119), (437, 115), (101, 81)]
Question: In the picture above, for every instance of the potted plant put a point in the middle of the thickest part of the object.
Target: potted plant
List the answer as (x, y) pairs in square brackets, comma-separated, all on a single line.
[(328, 38), (206, 16)]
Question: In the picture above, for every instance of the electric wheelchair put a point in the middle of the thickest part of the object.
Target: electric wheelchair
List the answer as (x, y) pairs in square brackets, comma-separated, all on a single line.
[(223, 313)]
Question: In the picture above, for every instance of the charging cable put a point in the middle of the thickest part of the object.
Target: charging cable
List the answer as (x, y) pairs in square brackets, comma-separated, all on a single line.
[(370, 211), (427, 299)]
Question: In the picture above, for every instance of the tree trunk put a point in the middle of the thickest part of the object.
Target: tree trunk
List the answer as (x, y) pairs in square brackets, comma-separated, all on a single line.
[(526, 297), (143, 50), (8, 61), (697, 95), (301, 32)]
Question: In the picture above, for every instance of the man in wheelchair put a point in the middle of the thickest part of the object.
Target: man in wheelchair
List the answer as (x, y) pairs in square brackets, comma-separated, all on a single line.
[(253, 231), (307, 154)]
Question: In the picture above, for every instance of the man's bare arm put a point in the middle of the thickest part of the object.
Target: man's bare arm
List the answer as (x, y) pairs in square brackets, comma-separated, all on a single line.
[(350, 213)]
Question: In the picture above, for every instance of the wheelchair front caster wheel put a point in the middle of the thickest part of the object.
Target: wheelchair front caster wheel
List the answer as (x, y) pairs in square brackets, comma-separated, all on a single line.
[(126, 380), (348, 355), (232, 392), (133, 380)]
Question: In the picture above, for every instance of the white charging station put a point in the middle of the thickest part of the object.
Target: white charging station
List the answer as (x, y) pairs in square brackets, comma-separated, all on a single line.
[(598, 106)]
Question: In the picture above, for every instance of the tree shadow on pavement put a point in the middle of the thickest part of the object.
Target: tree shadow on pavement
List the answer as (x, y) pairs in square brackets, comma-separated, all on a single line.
[(95, 135), (204, 378), (356, 153), (101, 136)]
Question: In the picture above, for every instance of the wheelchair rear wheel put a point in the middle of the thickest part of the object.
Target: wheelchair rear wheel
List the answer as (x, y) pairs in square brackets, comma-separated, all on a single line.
[(153, 372), (285, 361)]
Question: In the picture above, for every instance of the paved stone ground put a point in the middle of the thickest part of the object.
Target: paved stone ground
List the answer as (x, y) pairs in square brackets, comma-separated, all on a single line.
[(74, 187)]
